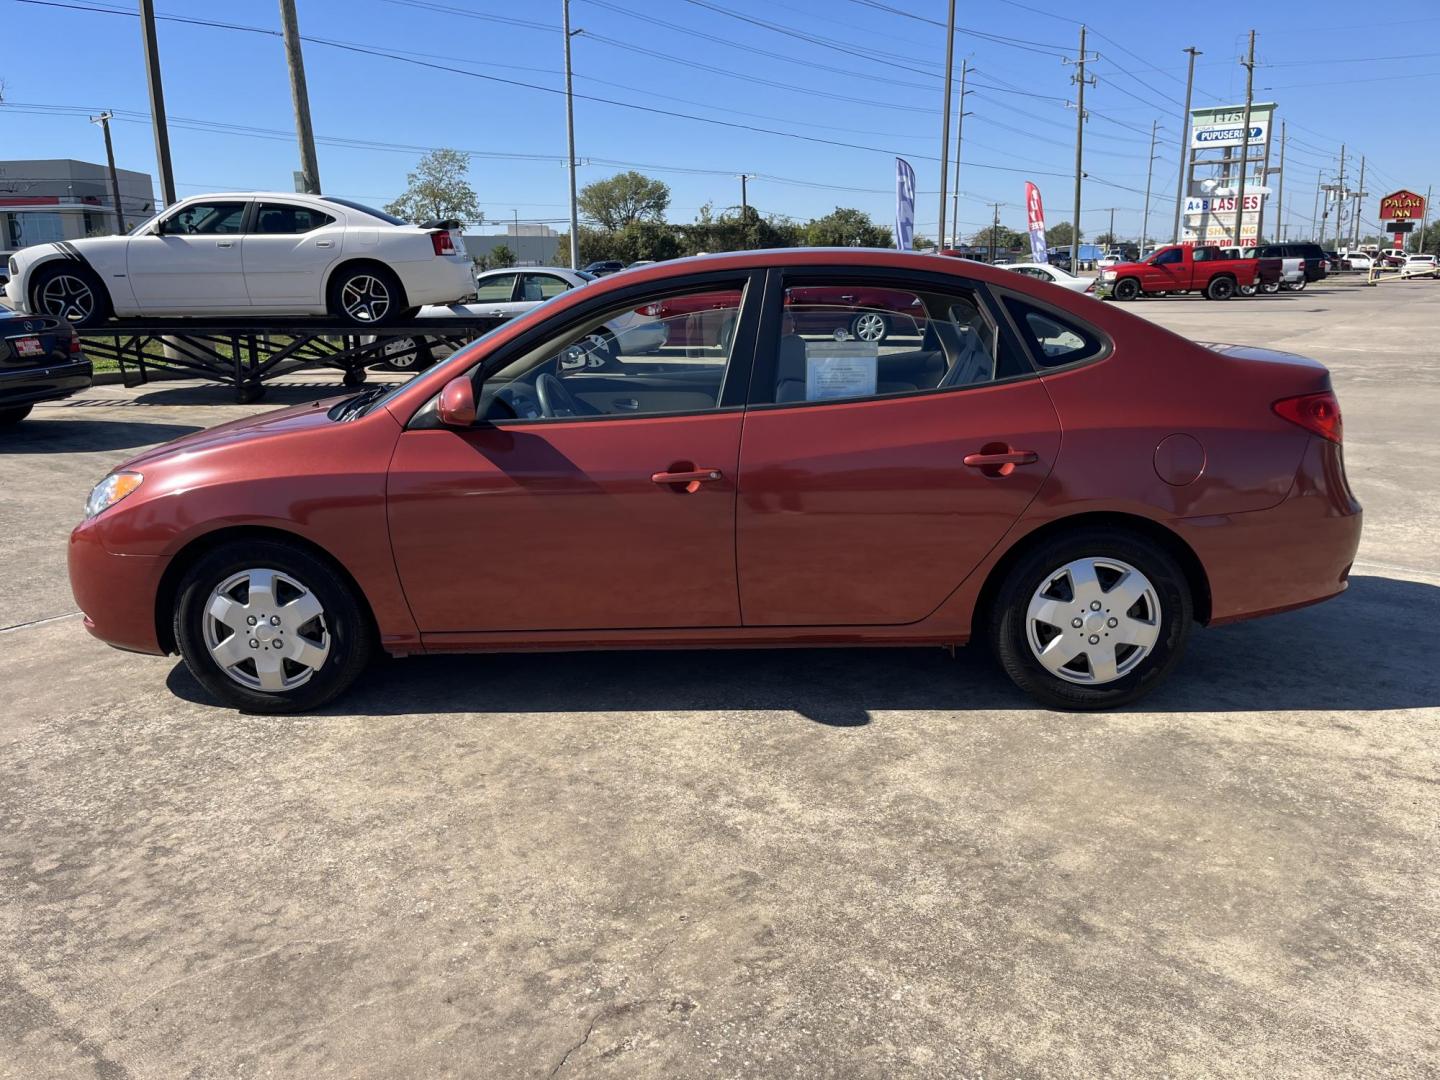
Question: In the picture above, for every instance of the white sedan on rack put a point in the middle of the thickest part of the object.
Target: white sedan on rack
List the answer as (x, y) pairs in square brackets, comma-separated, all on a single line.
[(248, 253)]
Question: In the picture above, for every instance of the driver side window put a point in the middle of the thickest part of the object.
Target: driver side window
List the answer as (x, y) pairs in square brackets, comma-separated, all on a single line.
[(1167, 258), (648, 357), (205, 219)]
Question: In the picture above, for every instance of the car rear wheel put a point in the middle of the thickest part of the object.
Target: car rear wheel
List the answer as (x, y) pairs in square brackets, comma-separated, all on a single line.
[(869, 326), (1297, 286), (406, 354), (1127, 289), (9, 417), (1092, 620), (1220, 288), (270, 628), (71, 292), (366, 296)]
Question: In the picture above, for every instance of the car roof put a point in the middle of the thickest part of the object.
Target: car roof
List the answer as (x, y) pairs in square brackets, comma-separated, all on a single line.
[(782, 258), (527, 270)]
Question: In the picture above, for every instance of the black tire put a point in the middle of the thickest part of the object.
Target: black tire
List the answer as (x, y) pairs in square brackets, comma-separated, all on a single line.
[(378, 291), (406, 354), (1008, 615), (1126, 289), (70, 304), (1220, 288), (1270, 288), (10, 417), (351, 634), (355, 377), (1298, 286)]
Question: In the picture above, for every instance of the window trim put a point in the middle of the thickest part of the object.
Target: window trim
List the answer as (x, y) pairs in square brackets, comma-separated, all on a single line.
[(1107, 344), (882, 277), (738, 367)]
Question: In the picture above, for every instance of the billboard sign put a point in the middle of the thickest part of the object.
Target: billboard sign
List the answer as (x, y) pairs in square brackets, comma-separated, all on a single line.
[(1035, 222), (1224, 126), (1201, 205), (904, 205), (1402, 206)]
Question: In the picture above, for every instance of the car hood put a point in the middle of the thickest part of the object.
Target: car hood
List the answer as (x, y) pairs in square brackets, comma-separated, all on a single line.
[(281, 422)]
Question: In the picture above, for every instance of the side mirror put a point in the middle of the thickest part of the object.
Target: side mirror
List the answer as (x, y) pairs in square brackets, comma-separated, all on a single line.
[(456, 407)]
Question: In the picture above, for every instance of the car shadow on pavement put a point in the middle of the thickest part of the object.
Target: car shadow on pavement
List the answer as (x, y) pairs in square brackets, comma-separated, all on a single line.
[(1370, 649), (277, 395), (70, 434)]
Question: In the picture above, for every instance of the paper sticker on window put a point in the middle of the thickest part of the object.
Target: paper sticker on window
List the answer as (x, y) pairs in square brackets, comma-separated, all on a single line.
[(840, 369)]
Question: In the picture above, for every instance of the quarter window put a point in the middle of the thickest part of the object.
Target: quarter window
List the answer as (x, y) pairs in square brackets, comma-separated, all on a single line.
[(542, 286), (1053, 341)]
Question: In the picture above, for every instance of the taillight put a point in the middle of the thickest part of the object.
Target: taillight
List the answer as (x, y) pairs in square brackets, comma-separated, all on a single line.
[(74, 346), (1318, 414), (443, 243), (654, 311)]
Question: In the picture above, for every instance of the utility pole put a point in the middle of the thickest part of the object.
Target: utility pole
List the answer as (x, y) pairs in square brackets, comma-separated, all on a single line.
[(1340, 198), (570, 141), (994, 231), (745, 178), (309, 163), (945, 116), (1280, 190), (1184, 143), (157, 100), (1315, 211), (959, 135), (1080, 79), (1149, 171), (104, 121), (1359, 201), (515, 217), (309, 177), (1424, 219), (1113, 245), (1249, 63)]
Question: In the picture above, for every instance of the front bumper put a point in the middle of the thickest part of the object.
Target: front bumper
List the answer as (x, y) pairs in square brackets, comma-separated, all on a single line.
[(24, 386), (116, 593)]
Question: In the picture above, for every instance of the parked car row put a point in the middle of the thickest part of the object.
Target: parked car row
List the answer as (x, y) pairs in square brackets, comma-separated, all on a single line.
[(1181, 268)]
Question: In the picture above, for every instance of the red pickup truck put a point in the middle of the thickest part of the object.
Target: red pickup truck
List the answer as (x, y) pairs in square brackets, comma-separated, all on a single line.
[(1180, 268)]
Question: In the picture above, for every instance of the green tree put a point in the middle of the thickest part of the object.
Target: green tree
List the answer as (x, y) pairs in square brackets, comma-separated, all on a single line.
[(921, 243), (1108, 240), (501, 256), (1004, 238), (1059, 235), (846, 227), (439, 188), (623, 200)]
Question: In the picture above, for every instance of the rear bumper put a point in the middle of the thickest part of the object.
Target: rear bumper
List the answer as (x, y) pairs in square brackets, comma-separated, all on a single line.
[(436, 280), (1297, 552), (23, 386), (115, 593)]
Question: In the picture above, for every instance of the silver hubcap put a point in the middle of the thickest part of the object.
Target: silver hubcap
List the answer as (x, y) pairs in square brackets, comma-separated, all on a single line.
[(266, 630), (401, 353), (365, 298), (869, 326), (68, 297), (1093, 621)]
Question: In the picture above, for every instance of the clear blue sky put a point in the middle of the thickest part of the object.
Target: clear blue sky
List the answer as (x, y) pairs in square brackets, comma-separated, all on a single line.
[(855, 76)]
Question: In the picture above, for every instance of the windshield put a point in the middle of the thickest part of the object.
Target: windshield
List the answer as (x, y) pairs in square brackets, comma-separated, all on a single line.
[(350, 204)]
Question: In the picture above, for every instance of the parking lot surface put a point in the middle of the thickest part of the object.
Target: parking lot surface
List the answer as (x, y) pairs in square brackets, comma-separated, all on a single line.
[(868, 863)]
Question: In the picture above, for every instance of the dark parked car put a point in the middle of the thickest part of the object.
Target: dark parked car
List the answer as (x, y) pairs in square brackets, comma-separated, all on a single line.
[(1071, 484), (40, 360), (604, 267), (1316, 259)]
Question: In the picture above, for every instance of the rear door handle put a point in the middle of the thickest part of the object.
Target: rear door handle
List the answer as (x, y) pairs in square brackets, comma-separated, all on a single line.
[(224, 243), (323, 243), (1009, 457)]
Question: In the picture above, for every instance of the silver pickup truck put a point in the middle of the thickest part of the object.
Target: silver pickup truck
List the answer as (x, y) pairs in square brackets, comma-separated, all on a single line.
[(1292, 272)]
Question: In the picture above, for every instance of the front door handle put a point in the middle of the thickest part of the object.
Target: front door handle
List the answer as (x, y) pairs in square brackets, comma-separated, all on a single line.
[(691, 476), (224, 243), (1008, 457)]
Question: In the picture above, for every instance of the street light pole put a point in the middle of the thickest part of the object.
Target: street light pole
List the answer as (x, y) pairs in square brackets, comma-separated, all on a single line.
[(157, 100), (104, 121), (959, 137), (1184, 143), (945, 116), (1149, 172), (570, 142)]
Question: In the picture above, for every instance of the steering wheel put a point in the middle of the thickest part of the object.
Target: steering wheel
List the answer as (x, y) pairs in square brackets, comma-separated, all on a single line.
[(556, 400)]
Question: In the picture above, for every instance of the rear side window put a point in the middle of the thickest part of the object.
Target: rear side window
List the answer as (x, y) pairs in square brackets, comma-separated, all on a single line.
[(283, 218), (1053, 340)]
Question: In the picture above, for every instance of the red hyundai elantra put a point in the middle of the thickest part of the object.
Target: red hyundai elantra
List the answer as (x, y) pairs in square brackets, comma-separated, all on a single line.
[(1012, 462)]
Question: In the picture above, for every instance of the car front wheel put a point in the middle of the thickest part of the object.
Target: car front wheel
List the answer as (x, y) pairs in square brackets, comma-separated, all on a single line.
[(869, 326), (1091, 621), (270, 628), (71, 293), (1127, 289)]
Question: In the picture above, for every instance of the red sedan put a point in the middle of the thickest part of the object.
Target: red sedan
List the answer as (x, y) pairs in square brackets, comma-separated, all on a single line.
[(1068, 482)]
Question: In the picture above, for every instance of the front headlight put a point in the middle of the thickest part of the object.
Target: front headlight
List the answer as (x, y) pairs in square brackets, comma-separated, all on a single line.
[(1108, 275), (110, 491)]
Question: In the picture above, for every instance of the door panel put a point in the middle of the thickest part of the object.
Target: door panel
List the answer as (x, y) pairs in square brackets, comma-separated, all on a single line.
[(287, 271), (865, 514), (185, 273), (557, 525)]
